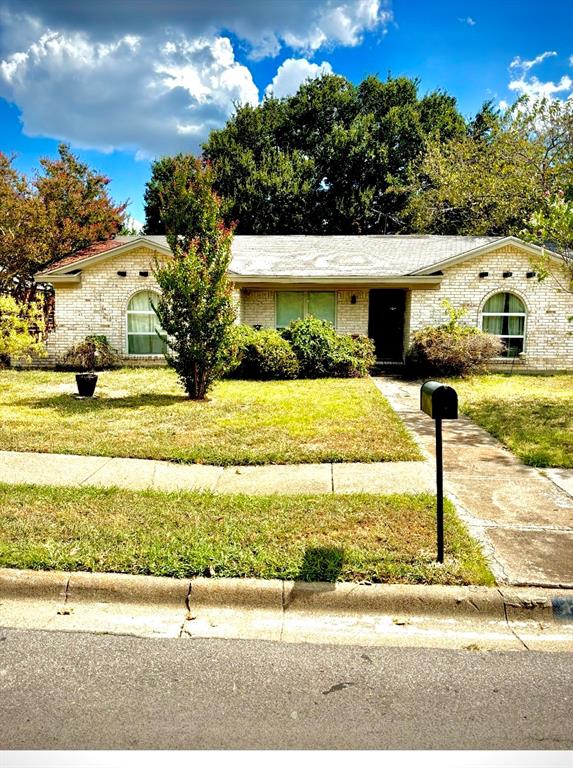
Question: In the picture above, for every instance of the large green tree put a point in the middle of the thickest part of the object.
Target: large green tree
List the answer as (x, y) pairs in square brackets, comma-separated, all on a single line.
[(329, 158), (333, 158)]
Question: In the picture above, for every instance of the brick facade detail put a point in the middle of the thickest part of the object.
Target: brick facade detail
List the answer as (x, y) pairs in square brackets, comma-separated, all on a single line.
[(98, 305), (548, 333)]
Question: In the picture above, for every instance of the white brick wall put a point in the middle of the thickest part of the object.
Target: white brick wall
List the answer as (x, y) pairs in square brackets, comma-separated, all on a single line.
[(98, 305), (352, 318), (548, 341), (258, 307)]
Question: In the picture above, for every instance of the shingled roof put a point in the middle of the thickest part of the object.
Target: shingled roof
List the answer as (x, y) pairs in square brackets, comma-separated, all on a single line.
[(314, 255)]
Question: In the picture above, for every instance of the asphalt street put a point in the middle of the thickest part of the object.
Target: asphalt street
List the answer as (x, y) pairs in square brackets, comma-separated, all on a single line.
[(62, 690)]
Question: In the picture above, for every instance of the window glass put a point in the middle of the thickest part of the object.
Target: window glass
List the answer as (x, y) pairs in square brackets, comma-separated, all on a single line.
[(322, 305), (504, 302), (504, 316), (146, 345), (290, 306), (142, 325)]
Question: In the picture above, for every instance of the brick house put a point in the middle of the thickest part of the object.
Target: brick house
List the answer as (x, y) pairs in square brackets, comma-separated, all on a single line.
[(383, 286)]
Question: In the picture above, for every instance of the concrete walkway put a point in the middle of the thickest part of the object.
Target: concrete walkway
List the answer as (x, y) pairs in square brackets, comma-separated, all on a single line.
[(143, 474), (523, 516)]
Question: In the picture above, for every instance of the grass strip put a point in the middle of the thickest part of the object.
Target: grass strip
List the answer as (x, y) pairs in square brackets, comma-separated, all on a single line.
[(354, 537)]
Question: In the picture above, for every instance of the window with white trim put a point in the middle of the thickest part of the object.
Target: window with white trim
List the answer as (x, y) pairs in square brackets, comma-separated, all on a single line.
[(504, 316), (292, 305), (143, 325)]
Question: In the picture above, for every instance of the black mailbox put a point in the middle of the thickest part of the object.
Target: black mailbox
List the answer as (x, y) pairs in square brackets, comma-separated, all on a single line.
[(438, 400)]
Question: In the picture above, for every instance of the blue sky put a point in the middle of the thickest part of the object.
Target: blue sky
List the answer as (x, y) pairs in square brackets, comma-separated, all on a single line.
[(126, 80)]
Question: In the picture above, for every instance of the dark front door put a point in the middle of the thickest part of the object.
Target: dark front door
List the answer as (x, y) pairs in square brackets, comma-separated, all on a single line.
[(386, 322)]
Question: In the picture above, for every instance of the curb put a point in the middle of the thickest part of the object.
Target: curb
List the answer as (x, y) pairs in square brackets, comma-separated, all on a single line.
[(517, 603)]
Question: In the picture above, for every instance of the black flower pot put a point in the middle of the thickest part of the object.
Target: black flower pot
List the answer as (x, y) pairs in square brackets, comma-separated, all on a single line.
[(86, 383)]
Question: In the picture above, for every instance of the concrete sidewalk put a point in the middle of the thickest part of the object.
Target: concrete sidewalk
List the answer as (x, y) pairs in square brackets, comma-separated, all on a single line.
[(523, 516), (143, 474)]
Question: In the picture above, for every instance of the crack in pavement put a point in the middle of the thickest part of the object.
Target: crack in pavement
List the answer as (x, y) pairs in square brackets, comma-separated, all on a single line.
[(337, 687), (511, 629)]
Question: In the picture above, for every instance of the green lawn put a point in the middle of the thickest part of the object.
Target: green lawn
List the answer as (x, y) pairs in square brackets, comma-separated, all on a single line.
[(531, 415), (143, 413), (313, 538)]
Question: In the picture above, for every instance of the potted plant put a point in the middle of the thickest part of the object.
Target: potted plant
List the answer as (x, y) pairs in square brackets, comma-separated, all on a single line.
[(86, 380), (94, 353)]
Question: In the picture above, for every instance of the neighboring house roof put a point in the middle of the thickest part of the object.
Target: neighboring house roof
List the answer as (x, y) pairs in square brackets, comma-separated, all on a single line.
[(319, 256)]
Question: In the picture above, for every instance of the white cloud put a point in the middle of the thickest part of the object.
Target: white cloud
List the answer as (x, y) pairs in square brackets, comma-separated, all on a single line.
[(524, 65), (538, 89), (264, 25), (133, 223), (468, 20), (342, 24), (526, 84), (152, 95), (156, 78), (292, 73)]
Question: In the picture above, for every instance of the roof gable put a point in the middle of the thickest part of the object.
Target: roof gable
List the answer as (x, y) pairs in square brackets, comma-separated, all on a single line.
[(104, 250), (509, 243)]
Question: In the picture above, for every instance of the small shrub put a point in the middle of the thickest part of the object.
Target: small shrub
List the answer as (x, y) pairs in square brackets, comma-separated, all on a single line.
[(355, 356), (22, 329), (263, 354), (321, 351), (94, 353), (452, 349)]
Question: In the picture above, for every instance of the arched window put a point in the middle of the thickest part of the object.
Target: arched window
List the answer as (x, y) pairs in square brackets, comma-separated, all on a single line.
[(142, 324), (504, 315)]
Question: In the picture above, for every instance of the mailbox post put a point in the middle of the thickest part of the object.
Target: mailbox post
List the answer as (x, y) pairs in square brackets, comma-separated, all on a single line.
[(440, 402)]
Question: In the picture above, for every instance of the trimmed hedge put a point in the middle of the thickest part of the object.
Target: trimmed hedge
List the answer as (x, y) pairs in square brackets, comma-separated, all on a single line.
[(264, 355), (308, 348)]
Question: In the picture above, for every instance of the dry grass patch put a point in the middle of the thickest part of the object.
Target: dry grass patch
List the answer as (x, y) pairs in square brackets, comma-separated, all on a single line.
[(143, 413), (351, 537)]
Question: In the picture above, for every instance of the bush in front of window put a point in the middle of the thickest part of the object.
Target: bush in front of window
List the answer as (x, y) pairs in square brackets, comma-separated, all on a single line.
[(355, 356), (263, 354), (321, 351), (450, 351), (94, 353)]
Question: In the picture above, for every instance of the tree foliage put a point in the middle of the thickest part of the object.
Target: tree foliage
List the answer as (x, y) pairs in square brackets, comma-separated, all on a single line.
[(490, 180), (195, 308), (552, 228), (61, 209), (326, 160), (339, 158), (21, 329)]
